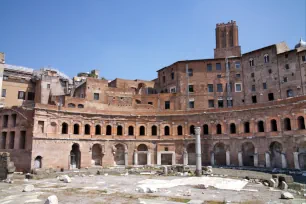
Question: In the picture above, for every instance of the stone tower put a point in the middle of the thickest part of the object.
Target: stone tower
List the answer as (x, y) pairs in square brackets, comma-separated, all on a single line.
[(227, 40)]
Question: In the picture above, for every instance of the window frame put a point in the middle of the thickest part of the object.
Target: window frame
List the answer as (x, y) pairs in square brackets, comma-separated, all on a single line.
[(19, 92), (236, 87)]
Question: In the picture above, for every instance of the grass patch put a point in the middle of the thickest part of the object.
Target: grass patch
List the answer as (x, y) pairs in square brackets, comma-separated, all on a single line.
[(181, 200)]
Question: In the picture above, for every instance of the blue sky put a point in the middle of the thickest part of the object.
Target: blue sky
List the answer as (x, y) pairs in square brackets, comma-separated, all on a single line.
[(134, 38)]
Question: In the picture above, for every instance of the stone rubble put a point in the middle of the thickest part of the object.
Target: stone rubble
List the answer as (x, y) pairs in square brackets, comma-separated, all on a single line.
[(28, 188), (286, 195), (52, 200)]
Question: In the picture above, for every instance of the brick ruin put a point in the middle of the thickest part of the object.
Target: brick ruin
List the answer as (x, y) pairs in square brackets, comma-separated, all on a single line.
[(250, 107), (7, 167)]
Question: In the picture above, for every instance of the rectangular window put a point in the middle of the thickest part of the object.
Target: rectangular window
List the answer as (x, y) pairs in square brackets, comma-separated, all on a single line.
[(173, 90), (218, 66), (237, 65), (220, 103), (304, 58), (172, 75), (253, 88), (191, 104), (12, 140), (190, 72), (264, 85), (238, 75), (237, 87), (31, 96), (271, 97), (219, 76), (286, 55), (230, 103), (96, 96), (48, 86), (5, 121), (252, 75), (211, 103), (14, 120), (190, 87), (3, 94), (285, 79), (151, 103), (3, 140), (254, 99), (210, 87), (219, 88), (164, 79), (21, 95), (287, 66), (167, 104), (209, 67)]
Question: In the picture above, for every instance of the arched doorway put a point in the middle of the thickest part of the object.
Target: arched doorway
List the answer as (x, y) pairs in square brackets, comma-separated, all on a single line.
[(97, 155), (38, 162), (119, 154), (220, 154), (142, 157), (75, 156), (302, 156), (248, 151), (276, 157), (191, 154)]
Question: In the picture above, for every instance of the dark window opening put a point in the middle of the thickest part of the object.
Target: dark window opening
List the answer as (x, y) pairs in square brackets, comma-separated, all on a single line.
[(219, 88), (108, 130), (290, 93), (211, 103), (191, 130), (205, 129), (301, 123), (179, 130), (64, 128), (218, 66), (220, 104), (271, 97), (247, 127), (254, 99), (190, 88), (232, 128), (287, 66), (96, 96), (21, 95), (87, 129), (76, 129), (167, 104), (142, 131), (154, 130), (131, 130), (12, 140), (31, 96), (287, 124), (191, 104), (172, 75), (119, 130), (273, 125), (219, 129), (209, 67), (22, 143), (3, 140), (166, 130), (98, 130), (5, 121), (260, 126), (14, 118), (190, 72), (210, 87)]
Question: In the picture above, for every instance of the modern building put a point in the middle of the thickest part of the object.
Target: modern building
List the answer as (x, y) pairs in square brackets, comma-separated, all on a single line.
[(250, 107)]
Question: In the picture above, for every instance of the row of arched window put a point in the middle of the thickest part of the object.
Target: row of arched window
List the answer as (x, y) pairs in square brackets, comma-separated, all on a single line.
[(72, 105), (154, 132)]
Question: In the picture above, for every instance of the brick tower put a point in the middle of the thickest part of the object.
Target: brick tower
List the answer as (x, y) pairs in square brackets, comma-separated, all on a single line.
[(227, 40)]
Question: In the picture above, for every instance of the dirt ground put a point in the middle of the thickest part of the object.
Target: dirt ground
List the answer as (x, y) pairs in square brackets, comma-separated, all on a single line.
[(96, 189)]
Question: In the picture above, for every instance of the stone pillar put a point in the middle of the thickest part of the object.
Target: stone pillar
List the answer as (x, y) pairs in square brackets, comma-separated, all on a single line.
[(148, 157), (185, 157), (173, 158), (135, 157), (126, 161), (212, 158), (228, 158), (256, 159), (284, 162), (296, 160), (240, 161), (198, 151), (158, 158), (268, 160)]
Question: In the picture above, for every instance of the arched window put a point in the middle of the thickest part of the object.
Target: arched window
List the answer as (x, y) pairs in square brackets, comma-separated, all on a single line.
[(205, 129), (219, 129), (142, 130), (290, 93), (167, 130), (98, 130), (154, 130), (108, 130), (179, 130), (266, 58), (80, 106), (287, 124), (76, 129), (247, 127), (301, 123), (119, 130), (131, 130), (191, 130), (64, 128), (251, 61), (260, 126), (232, 128), (71, 105), (273, 125), (87, 129)]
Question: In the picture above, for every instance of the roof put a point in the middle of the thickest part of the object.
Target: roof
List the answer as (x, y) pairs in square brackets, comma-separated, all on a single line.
[(18, 68)]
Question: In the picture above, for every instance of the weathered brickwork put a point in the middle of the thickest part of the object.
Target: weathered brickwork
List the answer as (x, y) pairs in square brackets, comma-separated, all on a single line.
[(250, 107)]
